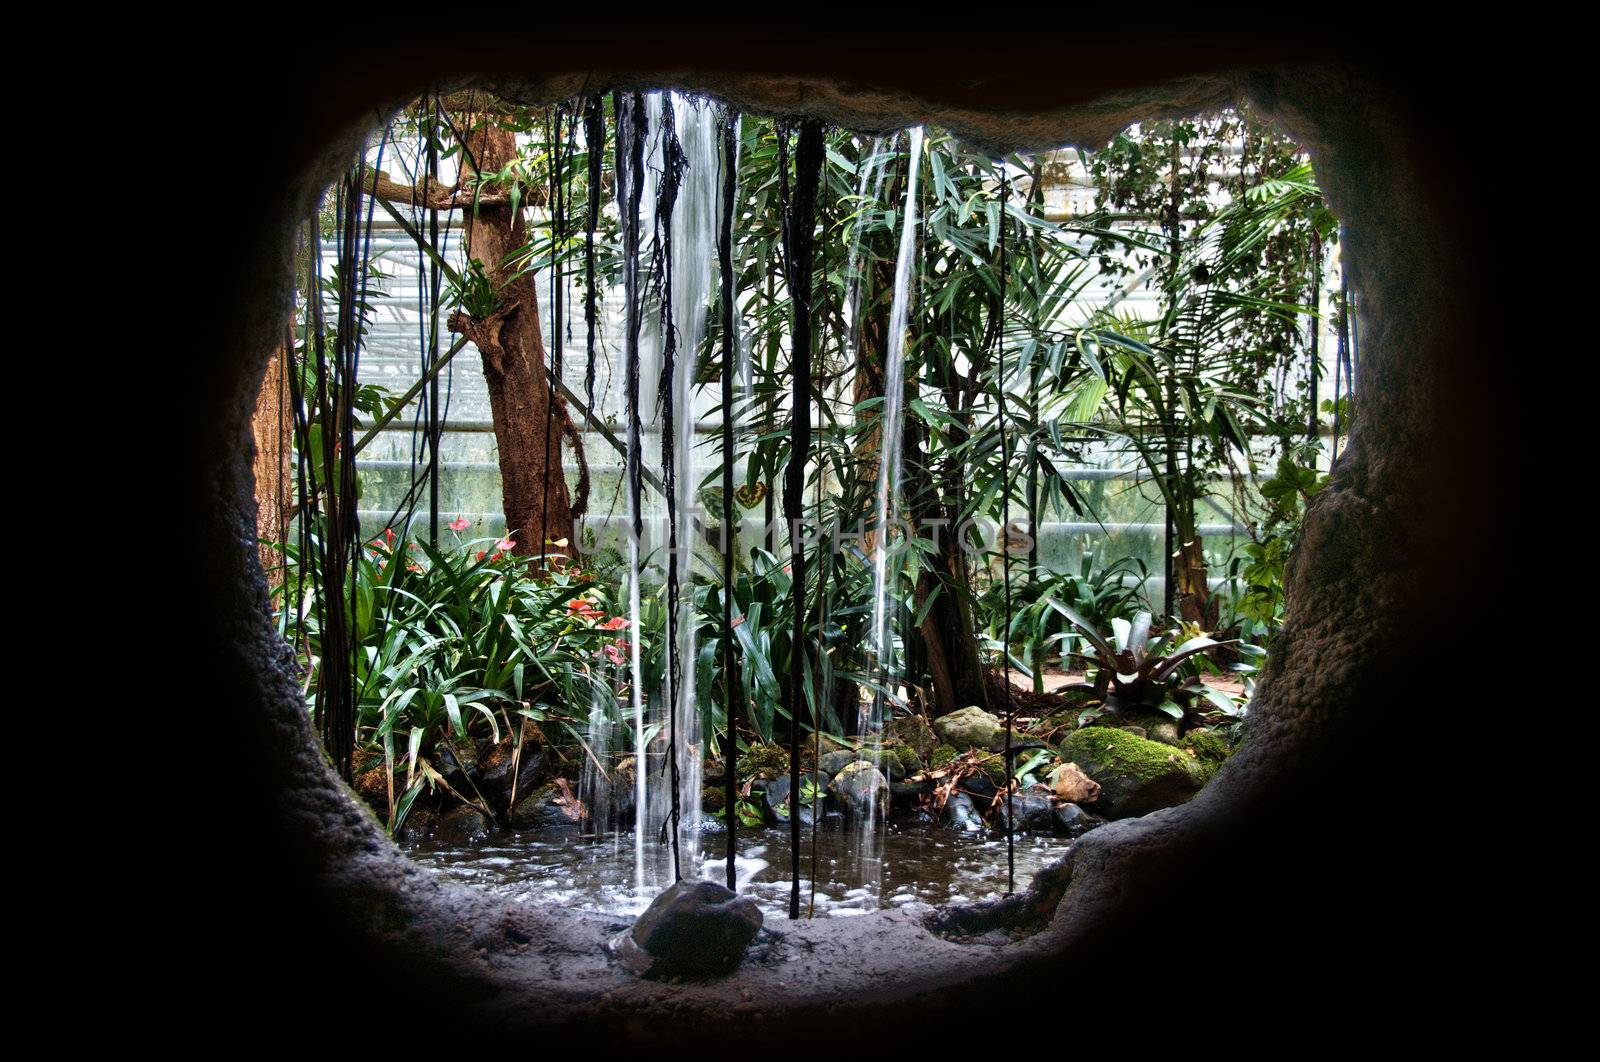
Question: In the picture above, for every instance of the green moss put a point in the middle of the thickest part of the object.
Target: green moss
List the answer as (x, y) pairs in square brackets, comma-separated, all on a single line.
[(1121, 752), (910, 762), (1209, 749), (994, 765), (765, 762), (712, 798), (942, 755)]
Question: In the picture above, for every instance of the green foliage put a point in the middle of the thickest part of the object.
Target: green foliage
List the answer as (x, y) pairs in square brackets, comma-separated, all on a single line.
[(456, 643), (1134, 671), (1041, 601)]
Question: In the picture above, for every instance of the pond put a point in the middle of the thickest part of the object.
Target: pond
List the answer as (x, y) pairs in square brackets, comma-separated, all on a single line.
[(921, 864)]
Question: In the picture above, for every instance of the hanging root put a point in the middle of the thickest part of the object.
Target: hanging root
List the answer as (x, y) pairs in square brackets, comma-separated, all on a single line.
[(580, 498)]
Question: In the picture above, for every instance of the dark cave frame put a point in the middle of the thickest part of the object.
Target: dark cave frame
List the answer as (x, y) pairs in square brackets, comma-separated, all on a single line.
[(1381, 547)]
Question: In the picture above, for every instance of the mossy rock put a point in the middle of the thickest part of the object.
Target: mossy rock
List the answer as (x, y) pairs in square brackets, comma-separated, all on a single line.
[(1136, 775), (941, 756), (970, 728), (1157, 726), (764, 762), (712, 799), (1209, 749), (915, 732)]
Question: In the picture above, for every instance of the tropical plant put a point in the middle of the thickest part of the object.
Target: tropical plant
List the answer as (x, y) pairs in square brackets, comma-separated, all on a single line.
[(1135, 672), (1040, 603), (457, 643)]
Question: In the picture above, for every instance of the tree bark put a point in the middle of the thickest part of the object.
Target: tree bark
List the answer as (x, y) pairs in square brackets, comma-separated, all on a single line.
[(273, 434), (953, 661), (525, 409)]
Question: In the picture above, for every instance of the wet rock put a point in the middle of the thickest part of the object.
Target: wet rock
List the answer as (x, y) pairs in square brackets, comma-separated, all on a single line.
[(458, 763), (909, 794), (540, 811), (970, 728), (418, 824), (763, 762), (892, 761), (960, 813), (713, 799), (776, 799), (693, 930), (499, 765), (915, 732), (1073, 821), (1136, 775), (1031, 811), (860, 790), (461, 825), (1070, 784)]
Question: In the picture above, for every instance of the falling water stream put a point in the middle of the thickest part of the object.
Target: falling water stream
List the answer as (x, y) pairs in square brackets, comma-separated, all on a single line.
[(882, 638)]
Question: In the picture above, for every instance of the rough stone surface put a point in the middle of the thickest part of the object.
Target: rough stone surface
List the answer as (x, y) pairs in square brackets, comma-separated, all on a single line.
[(1375, 583), (461, 825), (914, 732), (695, 929), (970, 728), (859, 787)]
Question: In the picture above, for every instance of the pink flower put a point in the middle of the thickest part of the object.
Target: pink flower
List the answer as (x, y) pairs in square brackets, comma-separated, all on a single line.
[(506, 545), (614, 654), (615, 623), (736, 621), (460, 523)]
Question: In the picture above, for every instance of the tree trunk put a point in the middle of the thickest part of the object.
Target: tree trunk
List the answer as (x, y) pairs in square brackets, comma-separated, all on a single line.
[(953, 661), (1195, 603), (273, 434), (529, 418)]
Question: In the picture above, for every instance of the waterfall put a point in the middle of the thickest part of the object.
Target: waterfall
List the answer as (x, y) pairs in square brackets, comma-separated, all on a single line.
[(881, 640), (594, 785), (694, 242), (692, 230)]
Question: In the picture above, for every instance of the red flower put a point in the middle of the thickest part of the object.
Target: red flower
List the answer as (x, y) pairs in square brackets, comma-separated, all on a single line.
[(480, 554), (615, 623), (460, 523)]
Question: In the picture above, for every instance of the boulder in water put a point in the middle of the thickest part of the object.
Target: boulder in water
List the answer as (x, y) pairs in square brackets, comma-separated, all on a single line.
[(961, 813), (1031, 811), (461, 825), (860, 790), (914, 732), (1073, 821), (693, 930)]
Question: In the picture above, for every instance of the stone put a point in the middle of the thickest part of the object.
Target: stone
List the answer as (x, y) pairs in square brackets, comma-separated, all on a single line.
[(915, 732), (1032, 811), (960, 813), (418, 825), (1069, 783), (892, 761), (539, 811), (970, 728), (461, 825), (1073, 821), (1136, 775), (694, 930), (1209, 749), (859, 789), (776, 800), (763, 762), (1157, 726)]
